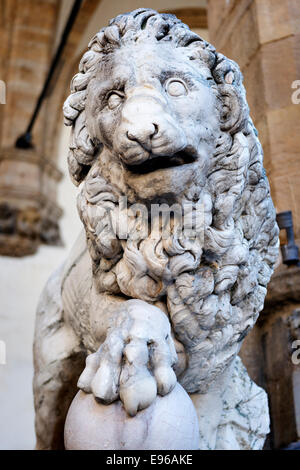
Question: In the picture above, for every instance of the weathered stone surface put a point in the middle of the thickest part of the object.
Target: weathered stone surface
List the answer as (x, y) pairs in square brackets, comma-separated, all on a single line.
[(244, 423), (170, 422), (163, 119)]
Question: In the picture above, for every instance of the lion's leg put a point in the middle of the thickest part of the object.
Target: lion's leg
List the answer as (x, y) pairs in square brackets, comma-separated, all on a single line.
[(245, 418), (209, 407), (58, 361), (233, 414)]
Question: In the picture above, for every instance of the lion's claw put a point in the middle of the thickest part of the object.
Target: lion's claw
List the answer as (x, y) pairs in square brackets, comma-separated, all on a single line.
[(135, 361)]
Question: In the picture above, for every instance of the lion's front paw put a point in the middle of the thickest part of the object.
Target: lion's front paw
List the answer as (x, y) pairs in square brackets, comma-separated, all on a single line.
[(135, 361)]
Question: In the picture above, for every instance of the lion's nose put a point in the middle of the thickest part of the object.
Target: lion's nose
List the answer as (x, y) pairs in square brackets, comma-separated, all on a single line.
[(143, 134)]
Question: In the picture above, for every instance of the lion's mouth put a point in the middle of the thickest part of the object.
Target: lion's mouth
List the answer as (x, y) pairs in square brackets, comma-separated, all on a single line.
[(161, 162)]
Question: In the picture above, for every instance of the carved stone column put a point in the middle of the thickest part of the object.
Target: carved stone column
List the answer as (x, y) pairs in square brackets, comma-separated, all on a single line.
[(263, 37)]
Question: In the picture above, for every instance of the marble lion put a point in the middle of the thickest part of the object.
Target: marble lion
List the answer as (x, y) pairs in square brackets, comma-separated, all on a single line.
[(158, 117)]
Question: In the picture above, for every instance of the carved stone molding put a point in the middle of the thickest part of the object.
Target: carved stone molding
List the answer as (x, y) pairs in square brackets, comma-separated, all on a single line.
[(28, 212)]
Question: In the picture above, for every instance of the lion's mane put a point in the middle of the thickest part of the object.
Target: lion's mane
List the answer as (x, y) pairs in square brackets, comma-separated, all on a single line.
[(214, 287)]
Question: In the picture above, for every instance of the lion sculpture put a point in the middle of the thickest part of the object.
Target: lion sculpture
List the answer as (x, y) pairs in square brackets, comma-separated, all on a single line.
[(159, 118)]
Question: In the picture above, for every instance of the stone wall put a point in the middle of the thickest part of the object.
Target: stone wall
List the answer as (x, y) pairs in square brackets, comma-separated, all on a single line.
[(263, 37), (28, 209)]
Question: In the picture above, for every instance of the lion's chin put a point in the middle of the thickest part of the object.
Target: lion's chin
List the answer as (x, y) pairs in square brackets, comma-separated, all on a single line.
[(161, 175), (162, 181)]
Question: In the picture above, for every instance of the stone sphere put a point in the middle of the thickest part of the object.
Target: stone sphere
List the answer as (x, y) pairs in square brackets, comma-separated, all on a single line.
[(170, 423)]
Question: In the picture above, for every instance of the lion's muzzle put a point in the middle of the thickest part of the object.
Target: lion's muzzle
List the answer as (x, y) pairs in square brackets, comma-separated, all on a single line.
[(147, 129)]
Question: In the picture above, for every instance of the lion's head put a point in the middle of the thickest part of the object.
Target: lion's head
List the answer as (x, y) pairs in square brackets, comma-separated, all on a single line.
[(159, 116)]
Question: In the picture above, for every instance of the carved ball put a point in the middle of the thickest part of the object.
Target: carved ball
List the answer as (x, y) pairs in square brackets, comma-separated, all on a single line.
[(170, 423)]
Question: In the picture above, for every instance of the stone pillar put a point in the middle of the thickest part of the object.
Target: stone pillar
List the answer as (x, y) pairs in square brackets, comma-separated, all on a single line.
[(263, 37), (29, 35), (28, 211)]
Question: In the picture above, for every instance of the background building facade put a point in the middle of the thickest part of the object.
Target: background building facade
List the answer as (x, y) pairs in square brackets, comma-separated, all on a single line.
[(38, 217)]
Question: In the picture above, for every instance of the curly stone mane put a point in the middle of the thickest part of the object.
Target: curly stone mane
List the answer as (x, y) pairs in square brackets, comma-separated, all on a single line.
[(214, 286)]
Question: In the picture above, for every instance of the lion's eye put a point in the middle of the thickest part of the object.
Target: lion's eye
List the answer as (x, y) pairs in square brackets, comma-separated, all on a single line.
[(176, 88), (114, 100)]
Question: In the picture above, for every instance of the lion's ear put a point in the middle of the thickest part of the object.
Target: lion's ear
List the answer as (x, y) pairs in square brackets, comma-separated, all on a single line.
[(234, 112), (77, 171), (82, 152)]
